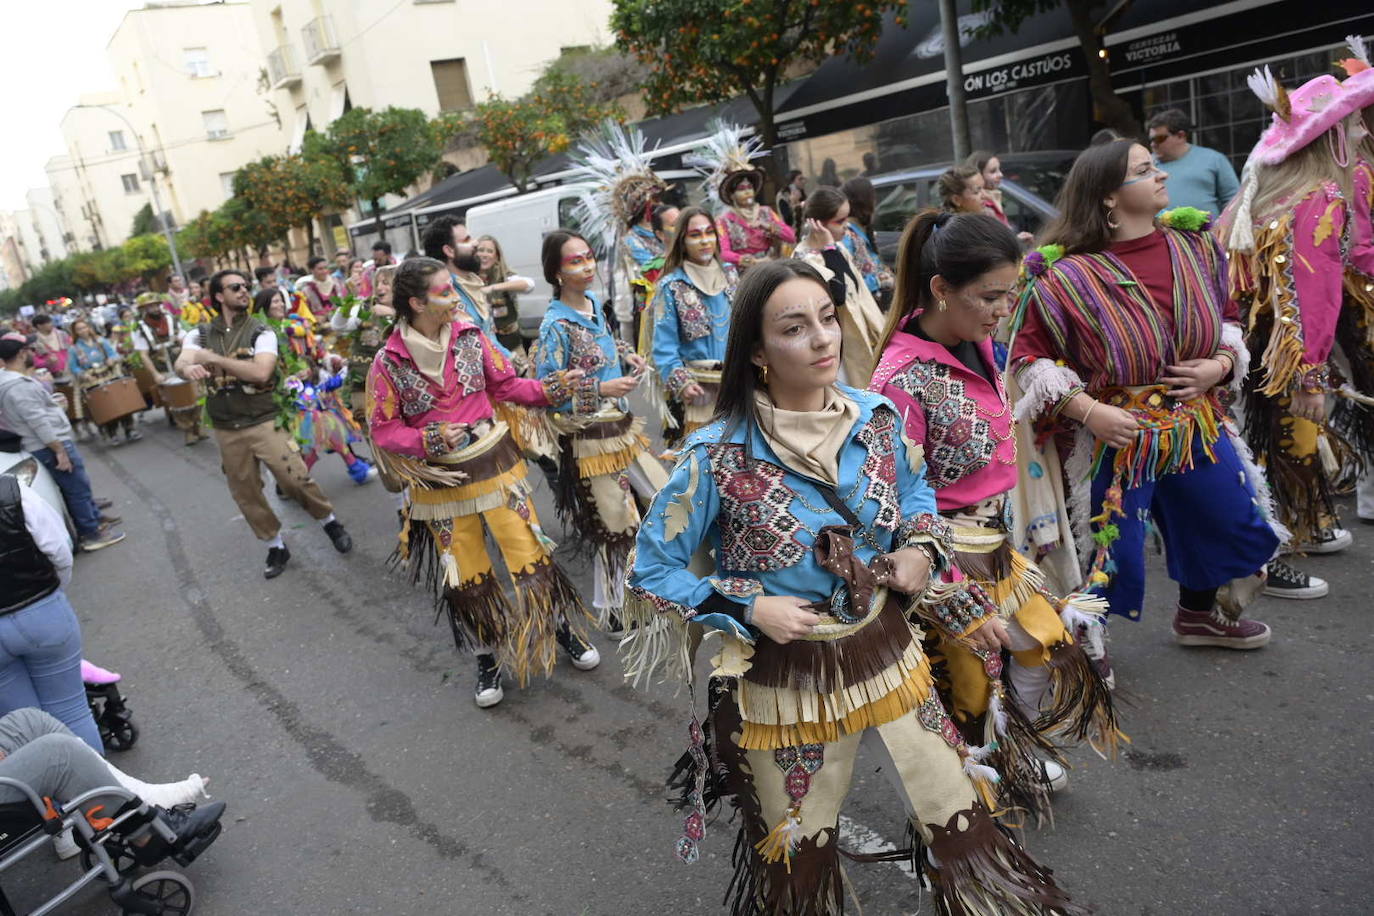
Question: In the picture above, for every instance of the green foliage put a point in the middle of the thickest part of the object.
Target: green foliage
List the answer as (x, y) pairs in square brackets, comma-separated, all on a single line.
[(145, 222), (377, 153), (701, 51), (285, 192), (519, 133)]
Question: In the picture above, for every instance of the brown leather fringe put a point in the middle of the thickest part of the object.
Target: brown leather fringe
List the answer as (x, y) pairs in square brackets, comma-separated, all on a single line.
[(824, 666), (683, 778), (576, 508), (983, 871), (1352, 420), (988, 568), (481, 610), (1017, 760), (547, 597), (1081, 704)]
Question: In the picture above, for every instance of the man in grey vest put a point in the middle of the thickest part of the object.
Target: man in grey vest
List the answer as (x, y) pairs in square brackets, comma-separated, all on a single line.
[(237, 354)]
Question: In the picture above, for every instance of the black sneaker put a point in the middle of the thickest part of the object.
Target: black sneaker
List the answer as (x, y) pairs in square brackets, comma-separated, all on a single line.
[(615, 627), (489, 691), (196, 827), (1286, 582), (277, 558), (342, 542), (583, 656)]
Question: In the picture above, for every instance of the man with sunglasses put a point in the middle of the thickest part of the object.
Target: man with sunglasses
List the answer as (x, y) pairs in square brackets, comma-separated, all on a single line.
[(1198, 176), (237, 353)]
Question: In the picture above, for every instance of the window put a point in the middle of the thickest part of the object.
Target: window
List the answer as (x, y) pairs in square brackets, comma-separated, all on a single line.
[(226, 180), (130, 183), (197, 62), (117, 141), (451, 83), (216, 124)]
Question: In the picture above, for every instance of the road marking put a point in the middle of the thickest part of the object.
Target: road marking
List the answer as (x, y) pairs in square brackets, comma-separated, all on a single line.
[(860, 839)]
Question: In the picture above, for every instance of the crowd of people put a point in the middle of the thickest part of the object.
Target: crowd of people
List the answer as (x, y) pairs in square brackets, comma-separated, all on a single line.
[(903, 501)]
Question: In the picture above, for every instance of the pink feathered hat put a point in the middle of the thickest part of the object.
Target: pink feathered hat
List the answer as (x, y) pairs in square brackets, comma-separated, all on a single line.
[(1359, 75), (1300, 116)]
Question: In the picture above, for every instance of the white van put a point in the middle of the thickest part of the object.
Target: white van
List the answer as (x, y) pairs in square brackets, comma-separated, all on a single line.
[(520, 223)]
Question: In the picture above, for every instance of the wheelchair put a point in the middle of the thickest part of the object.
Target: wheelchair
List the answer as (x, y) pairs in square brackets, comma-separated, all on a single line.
[(113, 849)]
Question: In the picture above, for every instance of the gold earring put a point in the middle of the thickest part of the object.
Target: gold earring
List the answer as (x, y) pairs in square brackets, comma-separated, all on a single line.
[(763, 371), (1112, 222), (942, 305)]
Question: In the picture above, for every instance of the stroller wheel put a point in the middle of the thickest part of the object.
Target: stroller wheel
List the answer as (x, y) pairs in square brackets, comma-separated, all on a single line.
[(163, 893), (123, 735)]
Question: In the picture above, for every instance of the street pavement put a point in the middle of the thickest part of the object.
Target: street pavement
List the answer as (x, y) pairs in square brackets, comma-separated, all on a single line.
[(336, 720)]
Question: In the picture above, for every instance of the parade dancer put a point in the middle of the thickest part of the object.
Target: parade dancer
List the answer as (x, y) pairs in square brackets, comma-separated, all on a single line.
[(94, 361), (957, 280), (749, 231), (1288, 235), (321, 292), (816, 515), (432, 425), (691, 323), (1125, 332), (604, 460), (360, 331), (822, 246), (237, 355)]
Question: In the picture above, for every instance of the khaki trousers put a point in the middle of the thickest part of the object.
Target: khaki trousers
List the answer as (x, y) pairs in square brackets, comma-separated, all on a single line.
[(241, 450)]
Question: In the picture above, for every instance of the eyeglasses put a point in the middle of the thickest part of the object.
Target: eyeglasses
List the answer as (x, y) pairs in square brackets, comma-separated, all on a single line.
[(236, 287)]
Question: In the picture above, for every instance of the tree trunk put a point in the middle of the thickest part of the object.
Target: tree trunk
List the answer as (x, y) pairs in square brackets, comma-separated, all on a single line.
[(767, 132), (377, 215), (1108, 107)]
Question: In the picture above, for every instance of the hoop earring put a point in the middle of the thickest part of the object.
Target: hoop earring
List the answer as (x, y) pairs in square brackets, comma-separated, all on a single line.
[(1112, 222), (941, 305)]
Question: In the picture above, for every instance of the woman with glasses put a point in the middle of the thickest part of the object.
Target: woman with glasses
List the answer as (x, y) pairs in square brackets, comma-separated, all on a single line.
[(605, 460), (1126, 332)]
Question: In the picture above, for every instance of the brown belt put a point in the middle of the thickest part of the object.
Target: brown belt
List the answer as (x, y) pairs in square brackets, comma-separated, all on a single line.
[(608, 429)]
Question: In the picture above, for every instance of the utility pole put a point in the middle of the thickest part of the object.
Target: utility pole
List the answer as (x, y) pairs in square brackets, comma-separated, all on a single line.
[(148, 166), (954, 80)]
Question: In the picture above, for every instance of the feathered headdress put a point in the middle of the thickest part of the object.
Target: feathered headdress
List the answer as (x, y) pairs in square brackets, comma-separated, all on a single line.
[(724, 159), (1358, 61), (615, 159)]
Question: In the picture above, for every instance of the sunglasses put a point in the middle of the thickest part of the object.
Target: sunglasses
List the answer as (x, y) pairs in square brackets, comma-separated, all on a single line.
[(235, 287)]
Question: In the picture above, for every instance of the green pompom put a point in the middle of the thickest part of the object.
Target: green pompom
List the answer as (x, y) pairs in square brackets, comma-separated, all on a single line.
[(1052, 253), (1189, 218)]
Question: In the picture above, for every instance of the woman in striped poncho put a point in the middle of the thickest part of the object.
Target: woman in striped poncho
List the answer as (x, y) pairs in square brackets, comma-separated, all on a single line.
[(1125, 332)]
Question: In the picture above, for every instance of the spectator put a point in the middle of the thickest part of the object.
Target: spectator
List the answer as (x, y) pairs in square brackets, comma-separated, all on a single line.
[(381, 253), (860, 240), (792, 198), (989, 165), (40, 638), (266, 277), (1198, 176), (44, 430), (341, 259), (1105, 135), (961, 190)]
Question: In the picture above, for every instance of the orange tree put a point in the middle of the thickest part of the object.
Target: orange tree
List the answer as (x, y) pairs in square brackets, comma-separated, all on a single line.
[(713, 50), (377, 153), (518, 133), (289, 192)]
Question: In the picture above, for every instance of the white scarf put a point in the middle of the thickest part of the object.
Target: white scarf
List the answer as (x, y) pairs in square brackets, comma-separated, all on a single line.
[(428, 354), (709, 278)]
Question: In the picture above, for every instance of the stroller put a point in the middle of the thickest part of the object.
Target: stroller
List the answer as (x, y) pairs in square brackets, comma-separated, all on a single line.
[(112, 717), (113, 849)]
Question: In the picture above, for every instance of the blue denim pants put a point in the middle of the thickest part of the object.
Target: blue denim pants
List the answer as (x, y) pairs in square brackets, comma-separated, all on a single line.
[(40, 665), (76, 489)]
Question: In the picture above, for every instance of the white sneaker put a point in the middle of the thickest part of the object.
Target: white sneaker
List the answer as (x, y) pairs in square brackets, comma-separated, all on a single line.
[(1056, 777), (64, 844)]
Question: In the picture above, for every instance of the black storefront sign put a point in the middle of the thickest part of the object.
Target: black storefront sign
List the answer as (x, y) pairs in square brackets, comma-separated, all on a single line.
[(1025, 74)]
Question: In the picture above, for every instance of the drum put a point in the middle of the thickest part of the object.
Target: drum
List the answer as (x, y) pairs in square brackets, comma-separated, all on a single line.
[(179, 393), (113, 400), (147, 383)]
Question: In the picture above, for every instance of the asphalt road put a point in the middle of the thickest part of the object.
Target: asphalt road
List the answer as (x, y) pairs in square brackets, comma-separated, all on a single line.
[(337, 721)]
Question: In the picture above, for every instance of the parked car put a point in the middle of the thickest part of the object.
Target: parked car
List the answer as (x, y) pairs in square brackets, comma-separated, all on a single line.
[(520, 223), (30, 472), (1031, 181)]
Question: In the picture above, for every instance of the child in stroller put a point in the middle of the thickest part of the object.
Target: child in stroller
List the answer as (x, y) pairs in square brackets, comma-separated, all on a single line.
[(51, 782)]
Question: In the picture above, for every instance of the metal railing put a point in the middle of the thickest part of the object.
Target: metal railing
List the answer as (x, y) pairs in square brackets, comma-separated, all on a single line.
[(320, 42), (282, 69)]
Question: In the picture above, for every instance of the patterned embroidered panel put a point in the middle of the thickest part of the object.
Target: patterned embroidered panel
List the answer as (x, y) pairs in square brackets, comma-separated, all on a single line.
[(584, 350), (467, 362), (737, 586), (662, 605), (959, 441), (758, 532), (693, 316), (412, 388), (878, 437)]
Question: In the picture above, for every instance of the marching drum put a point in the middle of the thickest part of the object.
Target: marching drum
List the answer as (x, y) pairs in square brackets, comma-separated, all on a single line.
[(112, 400), (179, 393)]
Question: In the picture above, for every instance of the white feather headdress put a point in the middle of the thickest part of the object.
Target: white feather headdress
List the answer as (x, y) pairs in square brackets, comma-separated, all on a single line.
[(725, 152), (616, 160)]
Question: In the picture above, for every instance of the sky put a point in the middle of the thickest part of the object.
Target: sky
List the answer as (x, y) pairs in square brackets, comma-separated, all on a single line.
[(50, 54)]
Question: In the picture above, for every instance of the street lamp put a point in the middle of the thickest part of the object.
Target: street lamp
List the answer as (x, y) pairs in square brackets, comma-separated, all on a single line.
[(144, 159)]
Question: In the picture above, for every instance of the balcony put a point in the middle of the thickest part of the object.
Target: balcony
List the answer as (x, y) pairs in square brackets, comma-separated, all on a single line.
[(282, 69), (321, 46)]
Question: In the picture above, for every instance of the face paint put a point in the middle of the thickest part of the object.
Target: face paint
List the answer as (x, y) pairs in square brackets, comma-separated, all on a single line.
[(801, 336), (699, 241), (743, 194), (579, 267)]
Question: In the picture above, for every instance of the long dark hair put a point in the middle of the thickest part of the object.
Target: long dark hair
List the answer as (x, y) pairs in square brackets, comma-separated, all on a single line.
[(1081, 226), (677, 251), (824, 203), (739, 377), (960, 247), (262, 300), (863, 200), (979, 159), (551, 256), (412, 282)]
